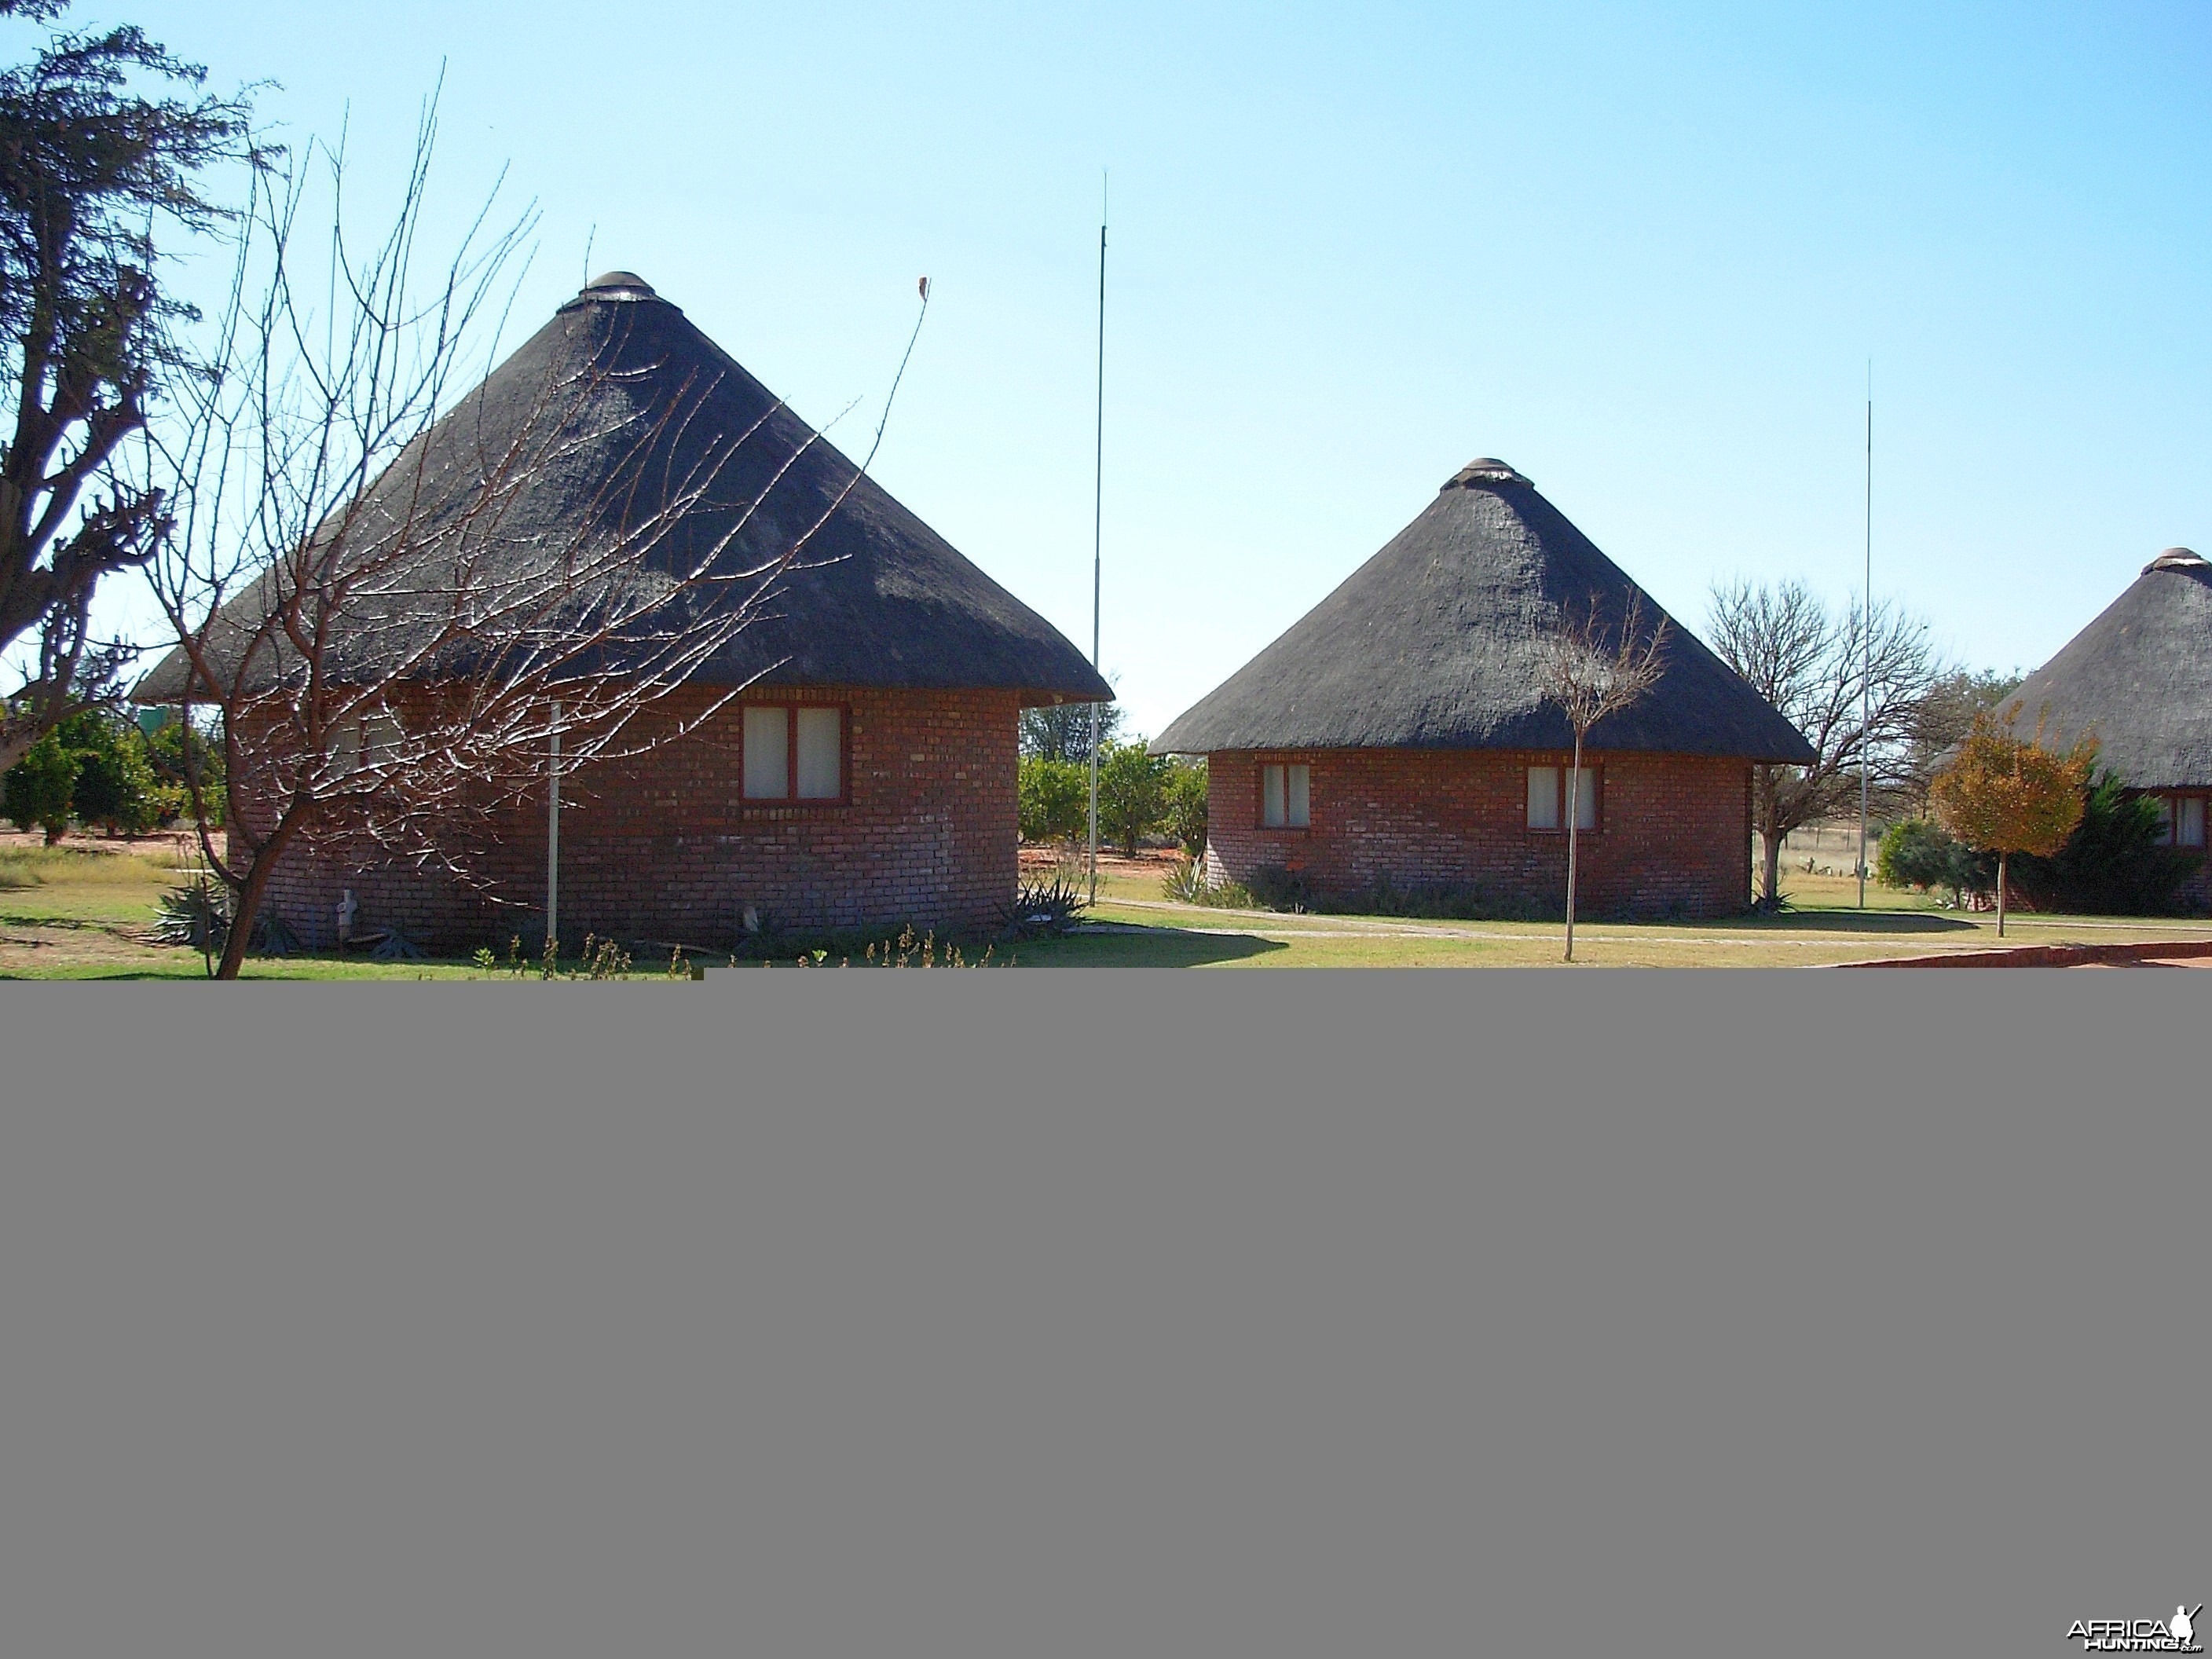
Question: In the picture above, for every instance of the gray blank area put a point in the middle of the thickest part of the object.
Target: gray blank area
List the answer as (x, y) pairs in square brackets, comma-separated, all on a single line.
[(1103, 1314)]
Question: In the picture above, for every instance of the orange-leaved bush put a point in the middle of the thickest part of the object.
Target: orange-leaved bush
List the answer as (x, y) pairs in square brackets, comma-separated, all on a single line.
[(2005, 794)]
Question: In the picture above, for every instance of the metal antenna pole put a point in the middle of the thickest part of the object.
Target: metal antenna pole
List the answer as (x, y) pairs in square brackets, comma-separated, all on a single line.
[(1098, 528), (1865, 642), (553, 837)]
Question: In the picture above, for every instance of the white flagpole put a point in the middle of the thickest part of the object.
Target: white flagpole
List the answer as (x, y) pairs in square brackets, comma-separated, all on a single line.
[(1097, 529), (1865, 642)]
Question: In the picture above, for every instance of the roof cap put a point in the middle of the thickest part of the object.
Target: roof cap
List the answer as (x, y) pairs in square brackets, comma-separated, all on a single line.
[(2177, 558), (618, 285), (1485, 472)]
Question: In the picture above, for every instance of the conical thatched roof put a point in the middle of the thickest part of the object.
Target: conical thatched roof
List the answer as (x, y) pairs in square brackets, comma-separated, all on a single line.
[(2140, 677), (1439, 640), (880, 599)]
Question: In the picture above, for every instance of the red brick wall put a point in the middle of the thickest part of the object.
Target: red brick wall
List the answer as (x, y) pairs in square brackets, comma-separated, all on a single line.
[(665, 848), (1674, 833)]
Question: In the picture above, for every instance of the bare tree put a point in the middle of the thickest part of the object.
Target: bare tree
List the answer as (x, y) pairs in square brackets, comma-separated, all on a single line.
[(393, 643), (88, 169), (1811, 662), (1594, 668)]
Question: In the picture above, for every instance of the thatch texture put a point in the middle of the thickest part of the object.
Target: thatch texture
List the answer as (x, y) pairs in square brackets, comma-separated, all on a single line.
[(642, 400), (2139, 678), (1439, 641)]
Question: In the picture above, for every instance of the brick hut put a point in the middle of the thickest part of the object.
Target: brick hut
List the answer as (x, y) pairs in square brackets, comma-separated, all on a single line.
[(2140, 678), (866, 772), (1398, 733)]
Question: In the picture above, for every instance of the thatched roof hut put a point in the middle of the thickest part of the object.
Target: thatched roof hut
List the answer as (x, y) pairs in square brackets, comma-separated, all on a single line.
[(1437, 642), (865, 772), (642, 400), (1399, 736), (2140, 678)]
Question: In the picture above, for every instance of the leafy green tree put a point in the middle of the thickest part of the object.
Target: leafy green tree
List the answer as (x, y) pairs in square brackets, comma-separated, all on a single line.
[(1943, 717), (1132, 792), (1055, 799), (1186, 806), (116, 786), (40, 787), (88, 169), (1062, 732), (187, 757)]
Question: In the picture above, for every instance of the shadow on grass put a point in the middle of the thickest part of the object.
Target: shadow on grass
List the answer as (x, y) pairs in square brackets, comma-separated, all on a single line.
[(1855, 921), (1152, 947)]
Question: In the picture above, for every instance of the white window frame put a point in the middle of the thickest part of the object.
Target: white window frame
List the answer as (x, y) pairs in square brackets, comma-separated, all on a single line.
[(1285, 795), (1589, 799), (803, 781), (2182, 821)]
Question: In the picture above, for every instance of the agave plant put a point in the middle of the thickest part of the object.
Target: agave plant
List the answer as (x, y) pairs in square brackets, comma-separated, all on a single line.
[(1041, 911), (197, 913)]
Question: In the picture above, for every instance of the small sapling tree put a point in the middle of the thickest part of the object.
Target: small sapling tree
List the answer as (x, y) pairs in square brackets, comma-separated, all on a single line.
[(1594, 668), (2006, 795)]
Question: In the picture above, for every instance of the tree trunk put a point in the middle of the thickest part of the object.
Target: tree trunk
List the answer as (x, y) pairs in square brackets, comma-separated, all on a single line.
[(247, 908), (2002, 857), (1772, 876), (1574, 785)]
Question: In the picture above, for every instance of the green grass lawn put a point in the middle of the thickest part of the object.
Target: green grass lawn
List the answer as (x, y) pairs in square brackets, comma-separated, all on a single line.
[(82, 911)]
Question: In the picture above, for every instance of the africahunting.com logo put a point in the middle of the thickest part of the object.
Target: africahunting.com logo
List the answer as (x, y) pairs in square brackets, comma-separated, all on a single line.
[(2174, 1635)]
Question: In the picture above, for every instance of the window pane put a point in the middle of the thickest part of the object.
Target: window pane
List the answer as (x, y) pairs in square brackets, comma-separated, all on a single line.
[(1585, 788), (1300, 793), (768, 755), (381, 737), (820, 776), (1271, 796), (2165, 820), (2190, 822), (1543, 798)]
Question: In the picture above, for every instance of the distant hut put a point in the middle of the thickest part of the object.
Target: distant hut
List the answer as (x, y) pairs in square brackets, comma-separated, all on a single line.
[(868, 773), (1399, 733), (2139, 678)]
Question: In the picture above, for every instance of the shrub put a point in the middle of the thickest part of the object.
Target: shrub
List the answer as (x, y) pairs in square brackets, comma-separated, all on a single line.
[(197, 914), (2112, 864), (1041, 910), (1186, 806), (1132, 792), (1274, 888), (1920, 853), (1055, 798), (1446, 901)]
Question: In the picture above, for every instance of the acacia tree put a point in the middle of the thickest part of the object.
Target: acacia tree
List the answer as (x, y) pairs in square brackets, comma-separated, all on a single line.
[(1593, 669), (391, 648), (88, 169), (2007, 794), (1812, 662)]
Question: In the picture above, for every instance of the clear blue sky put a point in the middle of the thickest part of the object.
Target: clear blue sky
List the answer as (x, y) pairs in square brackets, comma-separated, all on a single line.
[(1643, 253)]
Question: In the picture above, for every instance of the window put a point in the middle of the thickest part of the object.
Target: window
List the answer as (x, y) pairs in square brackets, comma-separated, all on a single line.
[(369, 739), (1285, 797), (1547, 797), (2181, 820), (794, 752)]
